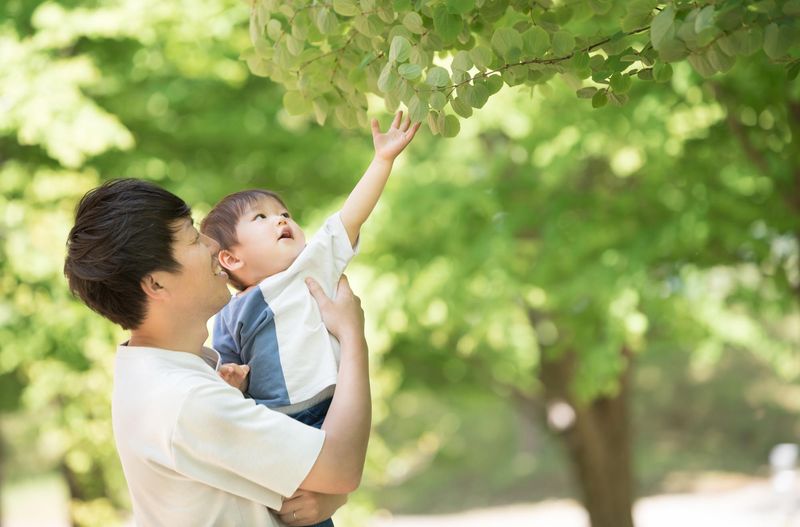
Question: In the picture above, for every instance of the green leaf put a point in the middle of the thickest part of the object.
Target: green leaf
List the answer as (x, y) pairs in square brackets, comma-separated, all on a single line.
[(641, 6), (672, 50), (719, 59), (494, 83), (295, 103), (447, 25), (410, 71), (586, 93), (481, 56), (437, 76), (400, 49), (477, 95), (294, 45), (774, 45), (437, 100), (413, 22), (321, 109), (505, 40), (417, 109), (462, 61), (638, 15), (451, 126), (662, 72), (274, 29), (388, 80), (792, 8), (793, 70), (535, 42), (369, 26), (459, 77), (618, 99), (433, 122), (599, 99), (459, 7), (600, 7), (620, 83), (752, 40), (326, 21), (662, 25), (346, 7), (563, 43), (705, 19), (461, 107), (701, 65), (286, 10)]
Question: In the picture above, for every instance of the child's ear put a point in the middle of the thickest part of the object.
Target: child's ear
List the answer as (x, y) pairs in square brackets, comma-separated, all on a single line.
[(229, 261)]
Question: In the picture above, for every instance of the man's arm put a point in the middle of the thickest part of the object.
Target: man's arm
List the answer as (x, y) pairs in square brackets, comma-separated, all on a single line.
[(341, 461), (364, 197)]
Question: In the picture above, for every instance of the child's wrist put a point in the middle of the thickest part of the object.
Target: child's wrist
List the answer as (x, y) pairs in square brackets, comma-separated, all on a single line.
[(383, 160)]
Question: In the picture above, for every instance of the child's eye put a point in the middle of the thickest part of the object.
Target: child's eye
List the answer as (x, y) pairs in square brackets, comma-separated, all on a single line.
[(286, 215), (259, 215)]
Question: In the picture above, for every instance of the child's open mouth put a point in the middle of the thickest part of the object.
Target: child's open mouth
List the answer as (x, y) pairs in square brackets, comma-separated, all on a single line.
[(286, 232)]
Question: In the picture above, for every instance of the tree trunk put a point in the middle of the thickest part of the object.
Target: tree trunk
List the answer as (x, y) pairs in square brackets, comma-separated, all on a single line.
[(598, 442)]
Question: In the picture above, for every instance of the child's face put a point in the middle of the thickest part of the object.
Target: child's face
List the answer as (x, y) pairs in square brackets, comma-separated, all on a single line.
[(269, 240)]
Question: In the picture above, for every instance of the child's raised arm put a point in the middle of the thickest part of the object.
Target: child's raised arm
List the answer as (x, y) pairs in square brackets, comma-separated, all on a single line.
[(362, 199)]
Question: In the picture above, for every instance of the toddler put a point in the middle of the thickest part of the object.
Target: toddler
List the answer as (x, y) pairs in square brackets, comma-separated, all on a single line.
[(271, 335)]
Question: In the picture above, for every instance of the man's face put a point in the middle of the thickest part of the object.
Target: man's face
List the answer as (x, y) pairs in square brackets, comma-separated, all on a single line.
[(269, 240), (200, 284)]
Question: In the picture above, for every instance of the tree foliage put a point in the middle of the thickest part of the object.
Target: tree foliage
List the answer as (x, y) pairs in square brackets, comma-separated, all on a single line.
[(443, 58)]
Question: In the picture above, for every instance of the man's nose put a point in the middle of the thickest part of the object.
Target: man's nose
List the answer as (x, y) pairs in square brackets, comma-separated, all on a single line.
[(211, 243)]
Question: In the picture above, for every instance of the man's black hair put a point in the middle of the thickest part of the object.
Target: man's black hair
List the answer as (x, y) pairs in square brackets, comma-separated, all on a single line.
[(124, 230)]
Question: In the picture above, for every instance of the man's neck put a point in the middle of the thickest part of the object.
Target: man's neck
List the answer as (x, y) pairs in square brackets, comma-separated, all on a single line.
[(173, 336)]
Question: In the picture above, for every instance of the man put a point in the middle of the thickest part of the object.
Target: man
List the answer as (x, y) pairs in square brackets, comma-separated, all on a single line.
[(193, 449)]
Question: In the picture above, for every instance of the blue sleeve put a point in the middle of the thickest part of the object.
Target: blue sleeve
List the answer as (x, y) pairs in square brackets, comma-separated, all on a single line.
[(224, 343)]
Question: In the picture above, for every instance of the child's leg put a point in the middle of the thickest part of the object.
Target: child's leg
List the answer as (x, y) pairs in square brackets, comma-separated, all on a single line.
[(314, 416)]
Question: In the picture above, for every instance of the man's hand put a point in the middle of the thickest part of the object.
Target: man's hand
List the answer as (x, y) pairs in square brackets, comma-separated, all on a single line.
[(343, 317), (235, 375), (305, 507), (389, 145)]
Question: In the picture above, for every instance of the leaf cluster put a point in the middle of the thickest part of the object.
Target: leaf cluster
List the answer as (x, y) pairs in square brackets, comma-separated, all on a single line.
[(442, 59)]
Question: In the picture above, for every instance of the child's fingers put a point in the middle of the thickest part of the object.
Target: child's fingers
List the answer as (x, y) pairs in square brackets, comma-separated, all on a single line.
[(405, 125), (413, 131), (397, 119), (376, 127)]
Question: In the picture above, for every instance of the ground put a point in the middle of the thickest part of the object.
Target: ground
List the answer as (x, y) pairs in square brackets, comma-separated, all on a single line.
[(728, 501)]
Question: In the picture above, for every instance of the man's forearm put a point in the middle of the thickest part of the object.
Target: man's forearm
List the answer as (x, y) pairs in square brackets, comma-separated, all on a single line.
[(350, 414), (362, 200), (347, 424)]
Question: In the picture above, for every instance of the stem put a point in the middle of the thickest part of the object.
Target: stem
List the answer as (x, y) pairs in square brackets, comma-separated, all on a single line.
[(541, 61)]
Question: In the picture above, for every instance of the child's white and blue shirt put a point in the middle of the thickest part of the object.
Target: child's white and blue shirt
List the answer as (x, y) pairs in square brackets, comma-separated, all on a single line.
[(276, 328)]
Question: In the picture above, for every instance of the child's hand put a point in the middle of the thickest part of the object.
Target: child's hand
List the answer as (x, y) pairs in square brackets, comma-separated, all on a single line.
[(389, 145), (235, 375)]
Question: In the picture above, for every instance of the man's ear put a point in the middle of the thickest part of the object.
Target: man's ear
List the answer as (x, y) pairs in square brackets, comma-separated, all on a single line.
[(229, 261), (151, 286)]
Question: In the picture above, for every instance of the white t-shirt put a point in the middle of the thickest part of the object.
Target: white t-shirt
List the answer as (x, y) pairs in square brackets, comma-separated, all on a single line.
[(278, 331), (195, 452)]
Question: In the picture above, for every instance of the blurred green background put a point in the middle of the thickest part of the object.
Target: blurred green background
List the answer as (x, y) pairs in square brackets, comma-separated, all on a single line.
[(616, 290)]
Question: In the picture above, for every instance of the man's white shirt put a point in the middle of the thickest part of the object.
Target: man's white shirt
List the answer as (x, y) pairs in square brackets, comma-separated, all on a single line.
[(195, 452)]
